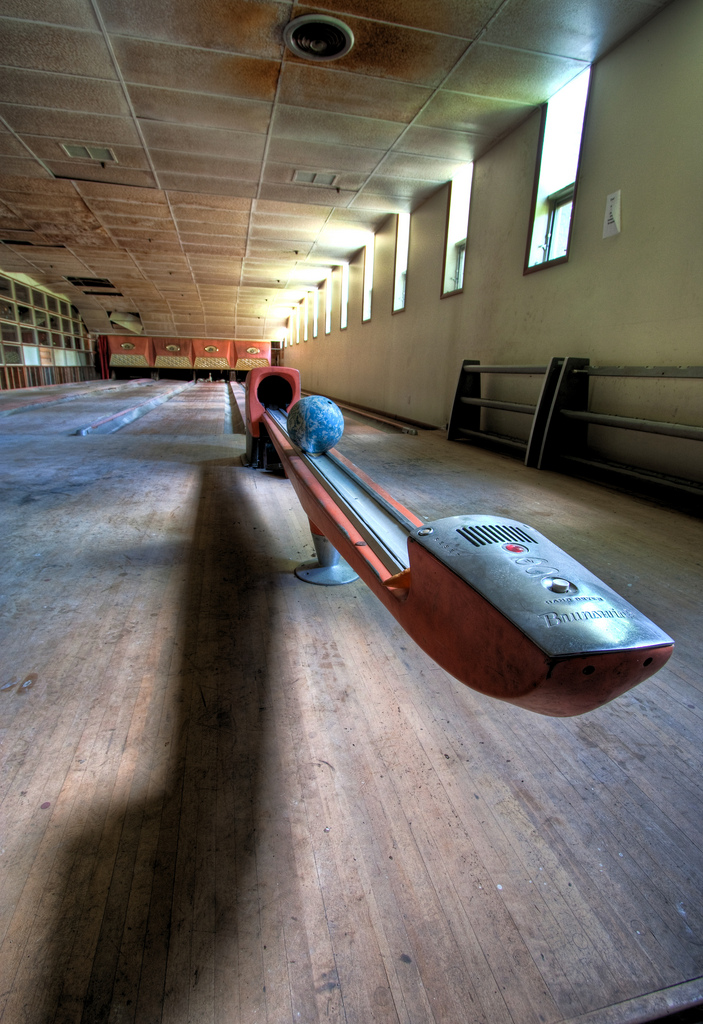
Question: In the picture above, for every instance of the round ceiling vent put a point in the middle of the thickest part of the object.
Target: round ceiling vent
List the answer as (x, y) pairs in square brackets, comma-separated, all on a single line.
[(318, 37)]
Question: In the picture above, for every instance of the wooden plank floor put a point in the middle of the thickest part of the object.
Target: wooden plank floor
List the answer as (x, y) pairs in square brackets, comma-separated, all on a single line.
[(229, 796)]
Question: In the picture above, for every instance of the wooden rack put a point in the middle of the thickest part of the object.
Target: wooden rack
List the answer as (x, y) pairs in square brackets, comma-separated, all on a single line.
[(465, 423), (560, 422)]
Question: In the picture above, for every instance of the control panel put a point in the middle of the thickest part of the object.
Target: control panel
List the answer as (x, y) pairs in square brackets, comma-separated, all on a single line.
[(553, 599)]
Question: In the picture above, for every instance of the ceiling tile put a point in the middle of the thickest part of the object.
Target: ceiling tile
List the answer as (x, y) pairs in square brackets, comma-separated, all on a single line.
[(98, 190), (275, 222), (150, 244), (582, 29), (223, 186), (352, 215), (210, 202), (210, 238), (112, 173), (25, 235), (383, 203), (61, 209), (439, 142), (12, 262), (61, 124), (196, 108), (299, 194), (203, 141), (186, 164), (49, 48), (422, 168), (110, 211), (253, 27), (329, 128), (274, 207), (399, 187), (216, 221), (285, 234), (321, 157), (16, 185), (73, 13), (479, 115), (214, 250), (186, 230), (10, 146), (509, 74), (257, 246), (62, 92), (126, 235), (306, 85), (174, 67)]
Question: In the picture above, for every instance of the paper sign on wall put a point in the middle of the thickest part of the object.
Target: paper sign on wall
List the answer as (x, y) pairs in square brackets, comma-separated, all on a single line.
[(611, 221)]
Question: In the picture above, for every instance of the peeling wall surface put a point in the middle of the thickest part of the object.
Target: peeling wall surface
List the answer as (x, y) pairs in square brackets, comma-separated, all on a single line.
[(635, 298)]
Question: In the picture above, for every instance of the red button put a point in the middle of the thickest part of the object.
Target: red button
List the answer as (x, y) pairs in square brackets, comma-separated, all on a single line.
[(515, 548)]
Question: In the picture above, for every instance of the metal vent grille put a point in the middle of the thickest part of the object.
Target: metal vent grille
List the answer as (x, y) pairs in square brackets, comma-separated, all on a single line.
[(90, 282), (318, 37), (482, 535), (315, 177), (82, 152)]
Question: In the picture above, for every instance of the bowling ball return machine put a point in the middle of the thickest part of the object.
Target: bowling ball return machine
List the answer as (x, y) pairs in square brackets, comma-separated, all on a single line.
[(490, 599)]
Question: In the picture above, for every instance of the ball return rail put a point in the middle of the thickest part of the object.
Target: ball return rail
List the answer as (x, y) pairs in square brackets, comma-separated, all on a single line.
[(490, 599)]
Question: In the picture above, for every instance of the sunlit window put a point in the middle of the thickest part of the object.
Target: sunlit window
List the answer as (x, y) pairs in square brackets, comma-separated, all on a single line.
[(315, 293), (368, 278), (305, 316), (344, 299), (328, 302), (297, 324), (562, 128), (457, 230), (402, 245)]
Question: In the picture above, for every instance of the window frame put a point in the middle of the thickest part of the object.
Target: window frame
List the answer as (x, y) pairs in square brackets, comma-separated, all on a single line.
[(404, 272), (450, 248), (366, 284), (553, 199)]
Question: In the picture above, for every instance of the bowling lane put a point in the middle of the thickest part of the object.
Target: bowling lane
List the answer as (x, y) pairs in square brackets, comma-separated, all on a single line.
[(68, 416), (21, 398), (201, 410)]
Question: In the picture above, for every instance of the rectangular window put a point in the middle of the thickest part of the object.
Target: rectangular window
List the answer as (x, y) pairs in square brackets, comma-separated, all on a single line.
[(402, 248), (315, 311), (457, 230), (328, 302), (344, 298), (304, 313), (368, 278), (556, 175)]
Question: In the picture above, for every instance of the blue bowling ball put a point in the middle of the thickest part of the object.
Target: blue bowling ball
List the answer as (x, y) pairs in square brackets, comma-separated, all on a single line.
[(315, 424)]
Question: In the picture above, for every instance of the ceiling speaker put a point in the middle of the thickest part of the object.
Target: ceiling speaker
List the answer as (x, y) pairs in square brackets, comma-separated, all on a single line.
[(318, 37)]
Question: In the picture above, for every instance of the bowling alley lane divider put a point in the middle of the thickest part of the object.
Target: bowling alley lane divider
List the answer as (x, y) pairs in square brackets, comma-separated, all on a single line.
[(109, 424)]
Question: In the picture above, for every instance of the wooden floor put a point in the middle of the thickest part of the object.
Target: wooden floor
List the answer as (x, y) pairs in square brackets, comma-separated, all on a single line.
[(230, 796)]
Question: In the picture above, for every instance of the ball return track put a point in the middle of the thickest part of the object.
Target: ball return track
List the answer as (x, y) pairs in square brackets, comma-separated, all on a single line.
[(490, 599)]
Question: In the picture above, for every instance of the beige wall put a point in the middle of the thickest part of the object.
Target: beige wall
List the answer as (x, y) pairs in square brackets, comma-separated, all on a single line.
[(636, 298)]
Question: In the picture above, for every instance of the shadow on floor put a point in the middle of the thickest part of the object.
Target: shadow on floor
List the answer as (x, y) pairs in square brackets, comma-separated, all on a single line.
[(160, 905)]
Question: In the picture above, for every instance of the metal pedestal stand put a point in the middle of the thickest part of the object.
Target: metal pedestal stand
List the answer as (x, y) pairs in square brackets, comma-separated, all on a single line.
[(329, 569)]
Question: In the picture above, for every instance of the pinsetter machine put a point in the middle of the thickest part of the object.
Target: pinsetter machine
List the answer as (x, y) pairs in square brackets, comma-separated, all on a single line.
[(490, 599)]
